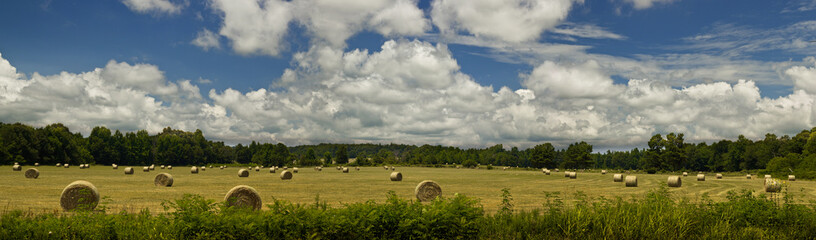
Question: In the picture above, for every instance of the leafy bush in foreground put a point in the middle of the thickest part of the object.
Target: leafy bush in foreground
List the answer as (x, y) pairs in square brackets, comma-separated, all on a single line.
[(744, 215)]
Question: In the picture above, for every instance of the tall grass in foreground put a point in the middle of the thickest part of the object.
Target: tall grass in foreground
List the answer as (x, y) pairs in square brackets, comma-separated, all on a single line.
[(656, 216)]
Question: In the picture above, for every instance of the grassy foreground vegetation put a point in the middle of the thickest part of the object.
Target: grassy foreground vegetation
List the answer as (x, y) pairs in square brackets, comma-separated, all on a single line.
[(658, 215)]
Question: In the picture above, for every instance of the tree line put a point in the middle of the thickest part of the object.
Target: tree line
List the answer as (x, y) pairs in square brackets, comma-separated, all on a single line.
[(55, 143)]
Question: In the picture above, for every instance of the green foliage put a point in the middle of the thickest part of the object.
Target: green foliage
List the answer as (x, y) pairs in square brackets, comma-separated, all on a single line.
[(341, 156), (56, 144), (506, 206), (194, 217), (543, 156), (657, 215), (578, 155)]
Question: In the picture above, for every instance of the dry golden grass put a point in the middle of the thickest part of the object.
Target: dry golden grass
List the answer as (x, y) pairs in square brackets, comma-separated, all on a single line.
[(135, 192)]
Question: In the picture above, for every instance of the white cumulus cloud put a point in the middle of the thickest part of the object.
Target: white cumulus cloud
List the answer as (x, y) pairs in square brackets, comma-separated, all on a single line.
[(584, 80), (644, 4), (511, 21), (406, 92), (155, 6), (259, 26), (803, 78), (254, 27), (205, 39)]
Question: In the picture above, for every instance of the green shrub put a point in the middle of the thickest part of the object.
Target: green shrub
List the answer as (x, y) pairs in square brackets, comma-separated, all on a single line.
[(657, 215)]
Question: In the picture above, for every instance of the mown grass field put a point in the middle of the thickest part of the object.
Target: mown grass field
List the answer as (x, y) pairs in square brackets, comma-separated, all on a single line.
[(528, 188)]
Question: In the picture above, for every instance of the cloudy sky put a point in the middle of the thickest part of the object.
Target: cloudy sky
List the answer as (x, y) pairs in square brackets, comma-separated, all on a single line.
[(467, 73)]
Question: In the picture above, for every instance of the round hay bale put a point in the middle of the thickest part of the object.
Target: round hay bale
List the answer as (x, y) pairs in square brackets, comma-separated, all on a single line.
[(396, 176), (393, 168), (59, 165), (556, 170), (163, 180), (319, 169), (36, 164), (286, 175), (128, 170), (547, 172), (272, 170), (719, 175), (161, 166), (748, 176), (427, 190), (631, 181), (566, 174), (685, 174), (617, 177), (385, 167), (222, 167), (66, 165), (16, 168), (285, 168), (357, 168), (294, 170), (202, 168), (169, 167), (257, 169), (603, 172), (115, 166), (573, 175), (339, 168), (81, 195), (243, 172), (791, 178), (700, 177), (152, 167), (457, 167), (32, 173), (767, 176), (772, 185), (675, 181), (145, 169), (194, 170), (243, 196), (345, 170)]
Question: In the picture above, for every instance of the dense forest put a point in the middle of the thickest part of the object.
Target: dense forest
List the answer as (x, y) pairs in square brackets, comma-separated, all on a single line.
[(55, 143)]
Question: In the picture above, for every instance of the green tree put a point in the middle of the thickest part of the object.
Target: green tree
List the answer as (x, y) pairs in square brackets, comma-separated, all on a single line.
[(673, 155), (578, 155), (327, 158), (100, 146), (543, 155), (652, 159), (341, 156), (280, 155), (243, 154), (21, 144)]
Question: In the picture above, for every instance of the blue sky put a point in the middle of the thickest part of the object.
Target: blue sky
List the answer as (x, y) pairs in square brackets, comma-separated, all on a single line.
[(451, 72)]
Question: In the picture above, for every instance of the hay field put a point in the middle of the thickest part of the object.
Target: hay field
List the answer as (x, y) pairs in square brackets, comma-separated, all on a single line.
[(137, 191)]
